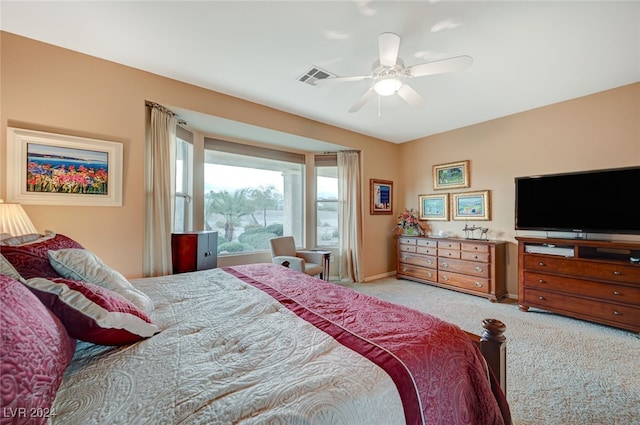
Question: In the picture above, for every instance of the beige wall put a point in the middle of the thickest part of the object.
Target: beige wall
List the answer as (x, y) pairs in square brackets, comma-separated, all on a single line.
[(592, 132), (52, 89)]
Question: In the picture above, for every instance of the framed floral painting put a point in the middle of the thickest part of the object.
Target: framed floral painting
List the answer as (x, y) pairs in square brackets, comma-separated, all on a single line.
[(55, 169)]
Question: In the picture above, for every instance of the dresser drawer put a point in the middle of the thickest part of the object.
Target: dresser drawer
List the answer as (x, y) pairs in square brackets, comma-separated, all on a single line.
[(406, 248), (593, 309), (476, 284), (586, 269), (483, 257), (419, 272), (407, 241), (418, 260), (449, 245), (474, 247), (427, 242), (427, 250), (448, 253), (466, 267), (606, 291)]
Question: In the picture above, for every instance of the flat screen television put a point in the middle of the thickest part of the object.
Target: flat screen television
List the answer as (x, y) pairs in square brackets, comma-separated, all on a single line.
[(597, 201)]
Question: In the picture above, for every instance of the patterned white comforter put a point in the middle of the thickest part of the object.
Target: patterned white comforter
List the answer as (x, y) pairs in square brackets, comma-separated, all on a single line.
[(228, 353)]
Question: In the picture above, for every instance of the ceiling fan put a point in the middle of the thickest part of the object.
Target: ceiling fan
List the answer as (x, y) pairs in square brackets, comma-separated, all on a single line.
[(389, 75)]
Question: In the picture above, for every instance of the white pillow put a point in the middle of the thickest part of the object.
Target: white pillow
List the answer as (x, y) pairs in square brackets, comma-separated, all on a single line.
[(81, 264)]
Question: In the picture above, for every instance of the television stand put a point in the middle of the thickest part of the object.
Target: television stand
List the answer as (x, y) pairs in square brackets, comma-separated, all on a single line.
[(599, 281)]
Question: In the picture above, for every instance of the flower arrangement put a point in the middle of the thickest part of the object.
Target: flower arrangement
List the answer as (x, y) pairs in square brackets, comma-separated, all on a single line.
[(408, 223)]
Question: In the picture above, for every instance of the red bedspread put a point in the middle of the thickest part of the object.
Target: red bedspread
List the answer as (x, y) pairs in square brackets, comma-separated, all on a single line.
[(439, 372)]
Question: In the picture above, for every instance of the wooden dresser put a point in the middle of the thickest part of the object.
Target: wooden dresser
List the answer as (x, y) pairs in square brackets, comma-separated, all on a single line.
[(590, 280), (471, 266), (192, 251)]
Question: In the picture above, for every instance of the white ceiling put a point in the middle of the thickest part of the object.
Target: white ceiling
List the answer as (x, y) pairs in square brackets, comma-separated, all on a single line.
[(526, 54)]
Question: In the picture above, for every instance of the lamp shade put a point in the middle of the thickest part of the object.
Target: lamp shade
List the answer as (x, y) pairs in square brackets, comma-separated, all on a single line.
[(14, 220)]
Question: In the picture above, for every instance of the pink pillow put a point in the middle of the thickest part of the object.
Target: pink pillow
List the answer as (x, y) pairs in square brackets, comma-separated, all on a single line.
[(31, 259), (93, 313), (35, 352)]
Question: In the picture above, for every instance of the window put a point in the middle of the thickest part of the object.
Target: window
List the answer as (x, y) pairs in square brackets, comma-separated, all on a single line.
[(326, 200), (251, 195), (183, 219)]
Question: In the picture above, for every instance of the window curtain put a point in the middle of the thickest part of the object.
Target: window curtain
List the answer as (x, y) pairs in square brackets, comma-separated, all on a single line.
[(160, 190), (349, 217)]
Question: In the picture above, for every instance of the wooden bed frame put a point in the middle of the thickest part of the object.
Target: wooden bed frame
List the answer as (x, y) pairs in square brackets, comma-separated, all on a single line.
[(493, 346)]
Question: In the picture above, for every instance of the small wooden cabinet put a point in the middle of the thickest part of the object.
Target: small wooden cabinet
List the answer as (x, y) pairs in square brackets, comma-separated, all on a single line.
[(471, 266), (192, 251), (591, 280)]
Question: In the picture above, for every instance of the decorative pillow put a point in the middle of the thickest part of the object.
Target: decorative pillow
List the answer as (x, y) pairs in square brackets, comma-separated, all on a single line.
[(35, 352), (92, 313), (31, 259), (7, 269), (81, 264), (25, 239)]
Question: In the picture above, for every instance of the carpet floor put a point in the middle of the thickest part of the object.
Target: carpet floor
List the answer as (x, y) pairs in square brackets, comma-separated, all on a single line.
[(560, 371)]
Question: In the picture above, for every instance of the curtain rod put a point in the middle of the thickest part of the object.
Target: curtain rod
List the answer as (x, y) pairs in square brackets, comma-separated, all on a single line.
[(165, 109)]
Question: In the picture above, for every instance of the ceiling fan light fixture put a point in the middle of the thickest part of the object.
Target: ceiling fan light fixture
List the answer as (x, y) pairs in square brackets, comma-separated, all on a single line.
[(387, 85)]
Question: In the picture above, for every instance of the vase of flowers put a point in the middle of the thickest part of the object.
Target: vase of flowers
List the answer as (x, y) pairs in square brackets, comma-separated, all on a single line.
[(408, 223)]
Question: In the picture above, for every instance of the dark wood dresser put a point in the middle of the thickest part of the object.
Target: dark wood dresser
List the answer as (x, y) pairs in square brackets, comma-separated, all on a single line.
[(192, 251), (472, 266), (597, 281)]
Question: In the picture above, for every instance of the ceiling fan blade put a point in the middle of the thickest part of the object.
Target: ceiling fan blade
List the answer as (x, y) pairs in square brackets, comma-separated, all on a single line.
[(411, 96), (388, 47), (363, 99), (439, 67), (344, 79)]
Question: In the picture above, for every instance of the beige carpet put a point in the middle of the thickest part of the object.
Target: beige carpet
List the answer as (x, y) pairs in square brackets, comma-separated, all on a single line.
[(560, 371)]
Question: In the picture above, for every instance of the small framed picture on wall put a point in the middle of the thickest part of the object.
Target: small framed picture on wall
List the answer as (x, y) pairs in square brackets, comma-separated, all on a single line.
[(453, 175), (434, 207), (471, 205), (381, 195)]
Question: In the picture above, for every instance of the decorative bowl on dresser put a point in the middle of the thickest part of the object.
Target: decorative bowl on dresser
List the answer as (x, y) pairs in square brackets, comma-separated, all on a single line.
[(472, 266), (592, 280)]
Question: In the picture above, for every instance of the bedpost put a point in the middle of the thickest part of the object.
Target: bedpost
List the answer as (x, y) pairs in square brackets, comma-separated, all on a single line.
[(493, 346)]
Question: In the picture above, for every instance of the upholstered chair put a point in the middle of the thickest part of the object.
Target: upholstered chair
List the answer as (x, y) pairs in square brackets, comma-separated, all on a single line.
[(284, 252)]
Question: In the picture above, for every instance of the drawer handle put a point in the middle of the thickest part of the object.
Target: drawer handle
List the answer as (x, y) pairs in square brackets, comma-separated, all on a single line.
[(404, 257), (617, 273), (429, 262), (541, 298), (445, 278), (444, 265), (616, 292), (542, 264), (478, 284), (475, 257), (616, 313), (478, 269), (207, 253), (429, 274), (404, 269), (542, 281), (475, 247)]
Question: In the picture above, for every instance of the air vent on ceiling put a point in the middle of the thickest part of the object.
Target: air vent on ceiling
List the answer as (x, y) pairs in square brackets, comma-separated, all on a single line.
[(314, 74)]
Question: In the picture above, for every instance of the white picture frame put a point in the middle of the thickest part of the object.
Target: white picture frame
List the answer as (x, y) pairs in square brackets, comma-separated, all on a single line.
[(56, 169)]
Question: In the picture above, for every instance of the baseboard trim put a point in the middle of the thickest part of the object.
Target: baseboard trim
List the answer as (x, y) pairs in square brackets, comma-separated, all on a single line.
[(379, 276)]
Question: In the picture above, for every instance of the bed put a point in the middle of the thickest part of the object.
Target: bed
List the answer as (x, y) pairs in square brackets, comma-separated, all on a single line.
[(251, 344)]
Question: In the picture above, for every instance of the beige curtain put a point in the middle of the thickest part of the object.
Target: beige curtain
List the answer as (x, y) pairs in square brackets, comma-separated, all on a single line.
[(349, 217), (160, 190)]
